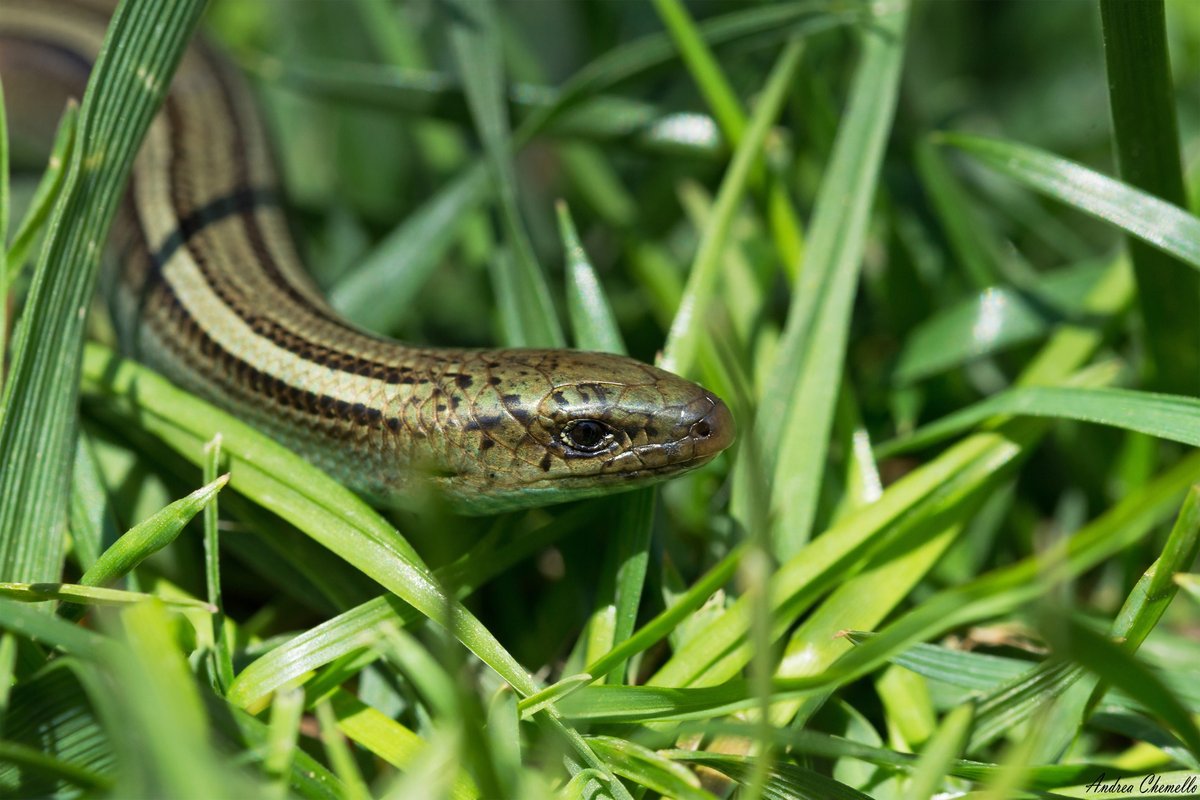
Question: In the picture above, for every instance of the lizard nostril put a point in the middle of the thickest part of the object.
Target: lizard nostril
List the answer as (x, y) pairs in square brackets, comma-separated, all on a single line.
[(702, 429)]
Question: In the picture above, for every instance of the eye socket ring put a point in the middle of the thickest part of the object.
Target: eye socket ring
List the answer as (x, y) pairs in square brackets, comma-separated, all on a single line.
[(587, 435)]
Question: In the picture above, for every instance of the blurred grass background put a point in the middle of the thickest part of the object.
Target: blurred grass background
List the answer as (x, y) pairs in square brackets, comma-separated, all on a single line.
[(752, 213)]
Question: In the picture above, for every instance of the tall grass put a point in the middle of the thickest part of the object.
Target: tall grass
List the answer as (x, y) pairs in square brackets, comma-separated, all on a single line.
[(942, 556)]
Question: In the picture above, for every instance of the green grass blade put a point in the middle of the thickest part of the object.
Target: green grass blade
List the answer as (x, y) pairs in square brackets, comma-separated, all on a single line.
[(92, 595), (46, 195), (704, 68), (551, 694), (718, 93), (592, 322), (338, 752), (647, 768), (1150, 219), (1119, 668), (379, 293), (995, 320), (972, 243), (287, 708), (309, 778), (5, 204), (622, 577), (144, 540), (688, 328), (37, 433), (654, 630), (8, 662), (428, 677), (1189, 583), (798, 405), (1145, 605), (31, 624), (93, 527), (54, 769), (221, 659), (1169, 417), (158, 697), (475, 38), (1148, 155)]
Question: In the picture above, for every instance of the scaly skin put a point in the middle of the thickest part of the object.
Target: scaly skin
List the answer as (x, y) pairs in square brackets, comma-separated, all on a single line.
[(205, 287)]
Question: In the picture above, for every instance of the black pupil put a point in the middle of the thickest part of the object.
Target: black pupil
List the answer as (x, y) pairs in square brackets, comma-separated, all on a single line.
[(587, 434)]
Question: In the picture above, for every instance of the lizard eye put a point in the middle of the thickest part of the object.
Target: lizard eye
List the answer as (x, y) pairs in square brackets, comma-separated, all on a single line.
[(587, 435)]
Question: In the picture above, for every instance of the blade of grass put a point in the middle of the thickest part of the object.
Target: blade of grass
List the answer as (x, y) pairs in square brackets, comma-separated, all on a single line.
[(387, 739), (797, 407), (380, 291), (1119, 668), (287, 708), (649, 769), (1150, 219), (654, 630), (973, 244), (5, 202), (475, 40), (51, 631), (142, 541), (8, 662), (785, 223), (128, 82), (1155, 591), (1170, 417), (592, 322), (91, 595), (221, 658), (309, 778), (941, 752), (339, 755), (56, 769), (93, 527), (688, 327), (996, 319), (157, 696), (1142, 99), (45, 197)]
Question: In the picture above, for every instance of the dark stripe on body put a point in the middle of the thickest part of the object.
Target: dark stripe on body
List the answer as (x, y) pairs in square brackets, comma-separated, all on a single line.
[(243, 203)]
